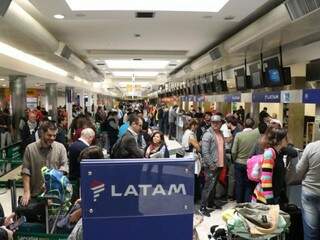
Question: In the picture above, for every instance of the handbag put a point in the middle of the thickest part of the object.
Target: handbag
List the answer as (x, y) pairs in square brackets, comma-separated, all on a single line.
[(34, 211)]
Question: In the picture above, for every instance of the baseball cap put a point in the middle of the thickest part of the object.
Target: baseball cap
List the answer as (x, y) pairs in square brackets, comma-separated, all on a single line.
[(216, 118)]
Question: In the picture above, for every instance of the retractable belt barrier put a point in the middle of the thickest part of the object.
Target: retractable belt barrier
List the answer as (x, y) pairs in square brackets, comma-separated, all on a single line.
[(137, 199)]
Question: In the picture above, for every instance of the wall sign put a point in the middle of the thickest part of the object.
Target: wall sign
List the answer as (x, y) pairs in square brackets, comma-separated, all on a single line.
[(149, 196), (236, 97), (311, 96), (271, 97)]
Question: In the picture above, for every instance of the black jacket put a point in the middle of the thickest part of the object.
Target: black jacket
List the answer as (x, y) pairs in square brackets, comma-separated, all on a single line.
[(74, 161), (128, 147)]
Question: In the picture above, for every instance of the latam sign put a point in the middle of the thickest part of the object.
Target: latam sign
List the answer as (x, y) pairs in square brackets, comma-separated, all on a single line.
[(148, 196), (149, 190), (139, 190)]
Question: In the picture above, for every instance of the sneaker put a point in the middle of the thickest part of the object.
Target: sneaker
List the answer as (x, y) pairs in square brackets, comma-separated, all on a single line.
[(204, 212)]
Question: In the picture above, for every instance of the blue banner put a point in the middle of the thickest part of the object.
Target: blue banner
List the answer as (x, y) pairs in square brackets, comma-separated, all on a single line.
[(190, 98), (236, 97), (271, 97), (137, 199), (200, 98), (311, 96)]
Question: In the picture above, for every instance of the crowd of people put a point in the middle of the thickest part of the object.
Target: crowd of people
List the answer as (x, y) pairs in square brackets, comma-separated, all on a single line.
[(222, 146)]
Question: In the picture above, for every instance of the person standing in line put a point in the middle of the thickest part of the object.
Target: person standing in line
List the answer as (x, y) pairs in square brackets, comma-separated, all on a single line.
[(44, 152), (308, 169), (204, 125), (127, 146), (242, 146), (172, 122), (213, 154)]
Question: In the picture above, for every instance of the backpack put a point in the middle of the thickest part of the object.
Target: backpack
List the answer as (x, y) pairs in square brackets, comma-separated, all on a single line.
[(57, 184), (254, 167), (115, 150)]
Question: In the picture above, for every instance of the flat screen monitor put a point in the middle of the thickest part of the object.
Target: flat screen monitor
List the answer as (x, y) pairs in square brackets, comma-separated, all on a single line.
[(256, 80), (221, 86), (273, 72), (286, 73), (241, 79), (256, 76), (313, 71)]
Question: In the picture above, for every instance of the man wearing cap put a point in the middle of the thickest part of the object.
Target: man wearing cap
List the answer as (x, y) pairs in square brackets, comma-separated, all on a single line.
[(213, 153)]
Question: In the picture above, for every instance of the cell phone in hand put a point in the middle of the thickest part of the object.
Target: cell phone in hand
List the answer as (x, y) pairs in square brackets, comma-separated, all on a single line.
[(17, 223)]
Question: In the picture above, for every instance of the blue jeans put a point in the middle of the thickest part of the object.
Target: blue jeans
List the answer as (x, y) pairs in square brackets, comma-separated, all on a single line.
[(243, 189), (310, 215)]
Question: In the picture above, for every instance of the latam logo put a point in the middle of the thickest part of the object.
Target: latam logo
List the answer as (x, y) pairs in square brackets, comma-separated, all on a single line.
[(148, 190), (97, 187)]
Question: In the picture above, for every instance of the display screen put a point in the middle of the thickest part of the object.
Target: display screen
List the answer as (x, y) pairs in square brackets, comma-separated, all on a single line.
[(274, 76), (256, 79), (240, 82), (313, 71)]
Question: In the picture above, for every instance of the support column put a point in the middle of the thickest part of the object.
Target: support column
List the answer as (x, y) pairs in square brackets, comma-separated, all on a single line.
[(247, 109), (81, 99), (70, 95), (295, 118), (254, 112), (18, 101), (90, 101), (52, 100), (95, 102)]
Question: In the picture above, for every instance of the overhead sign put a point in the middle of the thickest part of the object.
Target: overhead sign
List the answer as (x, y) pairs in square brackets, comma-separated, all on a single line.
[(200, 98), (246, 97), (236, 97), (311, 96), (190, 98), (150, 196), (291, 96), (270, 97)]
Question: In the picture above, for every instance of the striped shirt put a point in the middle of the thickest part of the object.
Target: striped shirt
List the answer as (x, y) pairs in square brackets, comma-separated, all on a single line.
[(263, 192)]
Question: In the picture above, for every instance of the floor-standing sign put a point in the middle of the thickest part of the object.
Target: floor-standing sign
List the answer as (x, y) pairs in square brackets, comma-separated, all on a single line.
[(137, 199)]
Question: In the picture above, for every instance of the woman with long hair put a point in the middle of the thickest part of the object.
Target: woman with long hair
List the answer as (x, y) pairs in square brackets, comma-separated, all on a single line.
[(157, 147), (270, 189)]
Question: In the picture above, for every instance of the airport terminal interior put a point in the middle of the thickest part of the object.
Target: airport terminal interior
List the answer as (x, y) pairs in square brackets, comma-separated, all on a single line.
[(159, 119)]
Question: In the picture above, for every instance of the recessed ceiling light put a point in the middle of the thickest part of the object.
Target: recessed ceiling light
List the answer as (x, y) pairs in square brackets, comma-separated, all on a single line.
[(1, 79), (228, 18), (133, 64), (137, 35), (147, 5), (58, 16), (4, 85)]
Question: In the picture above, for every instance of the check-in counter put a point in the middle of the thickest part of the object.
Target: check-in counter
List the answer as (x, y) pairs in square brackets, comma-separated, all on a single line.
[(137, 199)]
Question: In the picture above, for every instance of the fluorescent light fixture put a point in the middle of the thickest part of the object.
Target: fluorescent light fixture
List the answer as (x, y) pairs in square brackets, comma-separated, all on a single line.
[(148, 5), (4, 85), (1, 79), (27, 58), (58, 16), (137, 64), (135, 73)]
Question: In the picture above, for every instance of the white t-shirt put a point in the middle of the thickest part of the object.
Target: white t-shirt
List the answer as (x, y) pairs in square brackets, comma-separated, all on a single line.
[(188, 134), (226, 132)]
